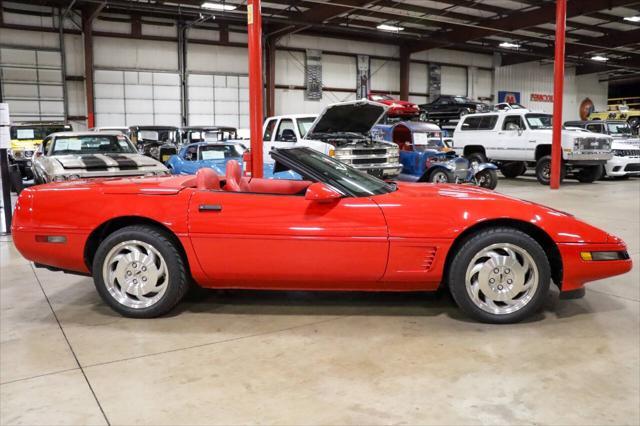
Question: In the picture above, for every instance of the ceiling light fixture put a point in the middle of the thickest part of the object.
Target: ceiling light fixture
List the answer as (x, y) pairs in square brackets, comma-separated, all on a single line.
[(218, 6), (509, 45), (632, 18), (599, 58), (386, 27)]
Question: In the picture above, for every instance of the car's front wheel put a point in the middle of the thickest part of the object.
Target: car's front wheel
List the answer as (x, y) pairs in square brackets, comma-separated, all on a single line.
[(500, 275), (139, 272), (590, 174), (487, 178), (543, 170)]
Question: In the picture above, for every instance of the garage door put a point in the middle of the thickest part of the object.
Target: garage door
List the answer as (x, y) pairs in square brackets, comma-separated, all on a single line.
[(32, 83), (218, 99), (129, 98), (454, 81)]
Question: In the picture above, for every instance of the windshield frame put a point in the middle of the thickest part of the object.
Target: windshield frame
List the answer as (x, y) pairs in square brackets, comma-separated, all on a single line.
[(285, 157)]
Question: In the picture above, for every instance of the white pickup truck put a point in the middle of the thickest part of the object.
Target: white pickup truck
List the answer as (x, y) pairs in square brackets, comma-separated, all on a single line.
[(513, 139), (343, 131)]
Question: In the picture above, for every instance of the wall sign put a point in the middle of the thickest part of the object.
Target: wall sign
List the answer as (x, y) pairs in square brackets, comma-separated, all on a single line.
[(313, 74), (541, 97), (508, 97), (363, 77)]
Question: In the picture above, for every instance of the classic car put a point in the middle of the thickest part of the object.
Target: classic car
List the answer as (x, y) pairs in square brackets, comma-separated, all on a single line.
[(425, 157), (446, 108), (397, 108), (338, 229), (159, 142), (619, 112), (625, 146), (342, 130), (207, 134), (81, 155), (25, 140), (215, 156)]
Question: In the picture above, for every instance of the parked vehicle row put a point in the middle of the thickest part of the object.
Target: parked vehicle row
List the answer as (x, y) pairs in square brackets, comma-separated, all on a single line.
[(26, 138)]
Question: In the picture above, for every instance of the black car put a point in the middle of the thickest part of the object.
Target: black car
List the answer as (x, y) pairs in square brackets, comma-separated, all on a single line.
[(158, 142), (447, 108)]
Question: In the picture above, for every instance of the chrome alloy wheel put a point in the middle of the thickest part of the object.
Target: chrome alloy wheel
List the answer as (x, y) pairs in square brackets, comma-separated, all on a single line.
[(502, 278), (439, 177), (546, 171), (135, 274)]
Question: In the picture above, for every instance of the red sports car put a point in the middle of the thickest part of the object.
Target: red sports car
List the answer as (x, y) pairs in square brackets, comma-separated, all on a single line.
[(145, 239), (397, 108)]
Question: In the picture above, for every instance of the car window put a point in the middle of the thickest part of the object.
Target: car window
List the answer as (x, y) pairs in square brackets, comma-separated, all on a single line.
[(46, 145), (304, 124), (220, 152), (268, 130), (479, 122), (285, 130), (597, 128), (539, 121), (190, 153), (92, 145), (513, 122), (619, 128)]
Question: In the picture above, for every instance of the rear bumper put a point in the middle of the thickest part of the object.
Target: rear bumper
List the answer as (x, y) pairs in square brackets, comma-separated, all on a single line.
[(577, 272)]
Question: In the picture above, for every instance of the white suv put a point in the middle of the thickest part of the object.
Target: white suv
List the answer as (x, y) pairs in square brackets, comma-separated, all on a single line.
[(343, 131), (515, 138)]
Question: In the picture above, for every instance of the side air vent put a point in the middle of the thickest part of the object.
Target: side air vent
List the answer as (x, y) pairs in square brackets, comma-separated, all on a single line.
[(429, 257)]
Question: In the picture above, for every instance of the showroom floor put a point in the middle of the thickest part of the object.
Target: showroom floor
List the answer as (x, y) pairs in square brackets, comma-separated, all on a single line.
[(299, 358)]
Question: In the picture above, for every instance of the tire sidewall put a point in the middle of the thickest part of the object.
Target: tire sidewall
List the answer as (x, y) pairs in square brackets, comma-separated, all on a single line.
[(436, 172), (458, 269), (173, 261), (492, 178)]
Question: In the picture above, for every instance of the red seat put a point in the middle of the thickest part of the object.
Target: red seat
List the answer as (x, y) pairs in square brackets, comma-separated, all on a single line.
[(207, 180), (233, 176)]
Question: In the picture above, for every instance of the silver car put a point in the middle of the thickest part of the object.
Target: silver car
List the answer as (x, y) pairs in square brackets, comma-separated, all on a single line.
[(80, 155)]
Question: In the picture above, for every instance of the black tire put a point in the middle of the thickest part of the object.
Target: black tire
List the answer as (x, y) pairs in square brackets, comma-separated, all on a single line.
[(438, 176), (457, 272), (166, 245), (543, 170), (513, 169), (477, 157), (634, 122), (487, 178), (590, 174)]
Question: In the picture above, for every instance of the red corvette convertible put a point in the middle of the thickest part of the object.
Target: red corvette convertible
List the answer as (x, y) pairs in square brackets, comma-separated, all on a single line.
[(145, 239)]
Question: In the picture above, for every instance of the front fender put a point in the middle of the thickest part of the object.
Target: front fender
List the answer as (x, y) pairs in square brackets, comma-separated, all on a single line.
[(485, 166)]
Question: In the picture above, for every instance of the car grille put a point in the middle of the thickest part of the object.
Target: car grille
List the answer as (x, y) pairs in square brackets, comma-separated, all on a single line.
[(369, 160), (626, 152), (596, 144), (632, 167), (382, 151)]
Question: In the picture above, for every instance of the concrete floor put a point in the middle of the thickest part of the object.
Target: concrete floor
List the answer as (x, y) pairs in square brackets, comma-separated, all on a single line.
[(299, 358)]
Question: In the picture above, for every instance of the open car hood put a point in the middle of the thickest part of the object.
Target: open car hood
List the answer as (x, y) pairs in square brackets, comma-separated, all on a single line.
[(355, 116)]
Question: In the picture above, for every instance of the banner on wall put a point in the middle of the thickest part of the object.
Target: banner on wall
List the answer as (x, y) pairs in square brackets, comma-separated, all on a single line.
[(508, 97), (435, 81), (313, 74), (541, 97), (364, 76)]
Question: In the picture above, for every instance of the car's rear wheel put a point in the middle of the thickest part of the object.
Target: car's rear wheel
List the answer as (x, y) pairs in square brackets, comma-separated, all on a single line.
[(139, 272), (441, 176), (513, 169), (500, 276), (476, 157), (590, 174)]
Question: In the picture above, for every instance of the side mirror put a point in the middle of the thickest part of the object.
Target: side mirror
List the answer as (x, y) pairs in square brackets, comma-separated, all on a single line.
[(321, 193)]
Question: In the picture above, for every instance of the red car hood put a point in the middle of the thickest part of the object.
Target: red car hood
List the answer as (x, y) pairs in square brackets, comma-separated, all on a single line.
[(444, 211)]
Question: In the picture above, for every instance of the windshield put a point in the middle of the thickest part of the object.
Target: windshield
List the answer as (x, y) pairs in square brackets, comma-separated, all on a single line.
[(539, 121), (36, 132), (428, 140), (460, 100), (220, 152), (157, 135), (212, 135), (338, 174), (619, 128), (92, 145), (304, 124)]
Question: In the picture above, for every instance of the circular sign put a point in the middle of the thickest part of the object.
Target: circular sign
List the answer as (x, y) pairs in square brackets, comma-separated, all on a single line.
[(586, 108)]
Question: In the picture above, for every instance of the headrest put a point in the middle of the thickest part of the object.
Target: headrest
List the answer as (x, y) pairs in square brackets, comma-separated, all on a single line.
[(234, 170), (207, 179)]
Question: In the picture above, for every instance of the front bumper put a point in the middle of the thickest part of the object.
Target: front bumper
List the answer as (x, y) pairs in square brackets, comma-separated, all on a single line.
[(623, 166), (577, 272), (590, 157)]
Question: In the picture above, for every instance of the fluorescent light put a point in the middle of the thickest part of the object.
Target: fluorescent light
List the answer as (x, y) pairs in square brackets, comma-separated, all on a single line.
[(385, 27), (218, 6), (632, 18), (599, 58), (509, 45)]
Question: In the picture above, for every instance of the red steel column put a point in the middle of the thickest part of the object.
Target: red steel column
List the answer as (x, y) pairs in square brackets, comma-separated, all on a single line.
[(254, 24), (558, 89)]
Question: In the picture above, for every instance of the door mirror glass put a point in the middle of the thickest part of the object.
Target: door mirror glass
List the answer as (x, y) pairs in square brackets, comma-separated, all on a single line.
[(321, 193)]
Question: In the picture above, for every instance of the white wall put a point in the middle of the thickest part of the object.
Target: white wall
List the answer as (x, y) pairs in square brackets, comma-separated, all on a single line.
[(533, 77)]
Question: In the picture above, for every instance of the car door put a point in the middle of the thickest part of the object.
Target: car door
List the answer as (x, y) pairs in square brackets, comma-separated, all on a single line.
[(269, 130), (512, 137), (276, 241), (40, 160)]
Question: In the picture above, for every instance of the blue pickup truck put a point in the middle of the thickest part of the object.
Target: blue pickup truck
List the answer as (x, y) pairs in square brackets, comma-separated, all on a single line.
[(426, 157)]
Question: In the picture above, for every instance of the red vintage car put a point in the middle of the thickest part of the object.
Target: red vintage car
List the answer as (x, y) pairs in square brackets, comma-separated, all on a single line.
[(145, 240), (397, 108)]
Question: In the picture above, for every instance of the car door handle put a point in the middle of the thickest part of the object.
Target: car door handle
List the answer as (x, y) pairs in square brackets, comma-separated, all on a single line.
[(533, 141), (210, 208)]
